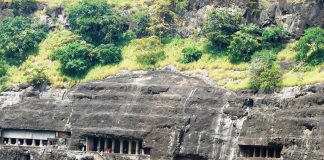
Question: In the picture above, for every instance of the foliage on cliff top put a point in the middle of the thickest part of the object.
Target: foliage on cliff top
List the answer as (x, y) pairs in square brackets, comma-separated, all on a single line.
[(212, 63)]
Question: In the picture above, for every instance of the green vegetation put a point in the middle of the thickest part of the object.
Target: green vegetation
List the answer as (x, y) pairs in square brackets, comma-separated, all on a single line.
[(37, 77), (19, 35), (182, 6), (97, 22), (264, 73), (142, 22), (100, 44), (311, 46), (242, 47), (24, 7), (3, 69), (163, 17), (75, 58), (190, 55), (151, 58), (108, 54), (222, 23)]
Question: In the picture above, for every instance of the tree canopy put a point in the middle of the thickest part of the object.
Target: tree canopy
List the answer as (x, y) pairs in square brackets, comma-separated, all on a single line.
[(97, 22)]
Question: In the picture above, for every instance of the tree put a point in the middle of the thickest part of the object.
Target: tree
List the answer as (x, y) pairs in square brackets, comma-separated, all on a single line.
[(24, 7), (242, 47), (97, 22), (142, 21), (163, 18), (18, 36), (108, 54), (311, 46), (274, 35), (221, 24), (76, 59), (264, 74)]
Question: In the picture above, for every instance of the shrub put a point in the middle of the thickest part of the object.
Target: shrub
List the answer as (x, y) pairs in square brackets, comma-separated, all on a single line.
[(18, 36), (151, 58), (24, 7), (182, 6), (147, 44), (252, 29), (221, 24), (274, 35), (75, 58), (108, 54), (96, 22), (264, 74), (242, 47), (190, 55), (3, 69), (37, 77), (163, 17), (127, 37), (142, 21), (311, 46)]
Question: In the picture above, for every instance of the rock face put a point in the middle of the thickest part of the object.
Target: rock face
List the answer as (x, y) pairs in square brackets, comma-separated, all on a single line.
[(295, 17), (177, 116)]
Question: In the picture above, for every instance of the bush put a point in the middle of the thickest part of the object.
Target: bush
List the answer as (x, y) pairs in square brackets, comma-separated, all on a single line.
[(190, 55), (163, 18), (151, 58), (147, 44), (253, 29), (311, 46), (19, 35), (142, 21), (97, 22), (3, 68), (182, 6), (221, 24), (242, 47), (264, 74), (108, 54), (37, 77), (75, 58), (274, 35), (24, 7)]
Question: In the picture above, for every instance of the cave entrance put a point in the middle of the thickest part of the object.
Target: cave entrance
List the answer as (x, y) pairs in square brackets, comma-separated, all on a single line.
[(114, 145), (260, 151)]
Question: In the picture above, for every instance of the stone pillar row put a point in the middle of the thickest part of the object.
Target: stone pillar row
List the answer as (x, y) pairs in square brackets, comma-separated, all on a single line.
[(113, 146), (267, 153), (25, 142)]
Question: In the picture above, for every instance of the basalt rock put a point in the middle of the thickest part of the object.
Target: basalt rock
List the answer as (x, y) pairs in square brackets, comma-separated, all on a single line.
[(176, 116), (295, 17)]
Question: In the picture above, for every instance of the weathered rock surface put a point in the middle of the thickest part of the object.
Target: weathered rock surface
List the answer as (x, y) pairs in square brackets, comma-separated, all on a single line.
[(179, 117), (295, 17)]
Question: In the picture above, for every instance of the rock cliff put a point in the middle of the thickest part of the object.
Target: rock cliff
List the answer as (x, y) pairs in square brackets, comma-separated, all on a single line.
[(176, 116), (295, 16)]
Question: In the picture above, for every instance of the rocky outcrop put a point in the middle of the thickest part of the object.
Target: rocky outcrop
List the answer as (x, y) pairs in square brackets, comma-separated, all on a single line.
[(294, 16), (177, 116)]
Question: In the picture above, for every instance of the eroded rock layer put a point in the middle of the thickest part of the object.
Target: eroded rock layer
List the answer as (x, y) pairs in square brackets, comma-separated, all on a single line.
[(176, 116)]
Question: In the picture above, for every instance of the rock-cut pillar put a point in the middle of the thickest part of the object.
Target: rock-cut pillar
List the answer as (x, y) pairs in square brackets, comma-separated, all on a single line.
[(113, 146), (137, 148), (25, 142), (121, 146), (129, 147)]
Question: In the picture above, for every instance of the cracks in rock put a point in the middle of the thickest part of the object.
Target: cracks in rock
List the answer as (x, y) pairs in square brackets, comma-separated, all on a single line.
[(192, 92), (181, 136)]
